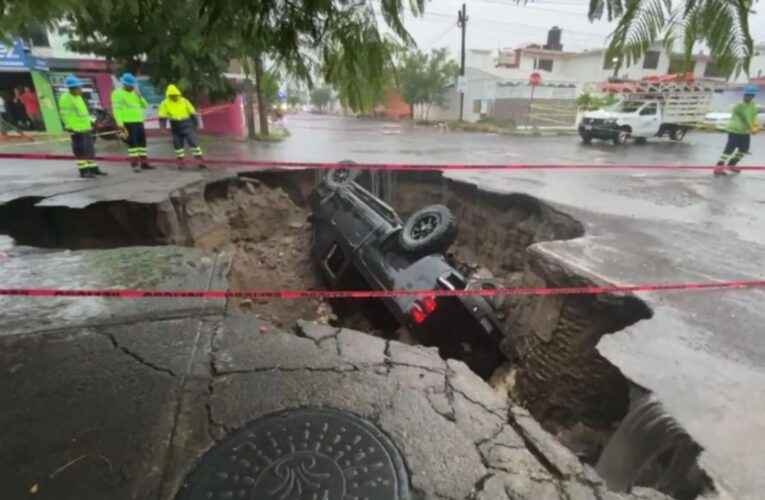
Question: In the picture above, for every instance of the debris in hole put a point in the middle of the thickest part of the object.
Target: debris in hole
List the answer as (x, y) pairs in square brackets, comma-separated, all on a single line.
[(361, 243), (558, 375)]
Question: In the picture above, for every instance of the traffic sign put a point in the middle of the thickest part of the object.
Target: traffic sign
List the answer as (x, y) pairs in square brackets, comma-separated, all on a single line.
[(535, 78)]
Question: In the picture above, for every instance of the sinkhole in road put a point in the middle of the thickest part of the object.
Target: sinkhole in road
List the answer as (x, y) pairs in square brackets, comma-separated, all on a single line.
[(550, 363)]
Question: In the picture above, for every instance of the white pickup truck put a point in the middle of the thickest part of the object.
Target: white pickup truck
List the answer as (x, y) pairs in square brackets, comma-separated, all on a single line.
[(648, 109)]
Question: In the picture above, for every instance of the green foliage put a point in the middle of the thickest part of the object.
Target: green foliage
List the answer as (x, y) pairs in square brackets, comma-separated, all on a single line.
[(723, 25), (293, 97), (321, 96), (424, 78), (17, 15), (589, 102), (157, 37), (339, 40), (270, 85)]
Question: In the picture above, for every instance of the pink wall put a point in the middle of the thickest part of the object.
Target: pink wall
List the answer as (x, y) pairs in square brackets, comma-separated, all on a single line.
[(226, 121), (104, 86)]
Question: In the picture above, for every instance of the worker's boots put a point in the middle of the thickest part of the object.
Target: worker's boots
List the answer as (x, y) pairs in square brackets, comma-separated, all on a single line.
[(87, 173), (201, 166)]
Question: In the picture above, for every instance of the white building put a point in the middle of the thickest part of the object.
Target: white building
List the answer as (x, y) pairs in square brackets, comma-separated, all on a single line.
[(593, 65), (503, 94)]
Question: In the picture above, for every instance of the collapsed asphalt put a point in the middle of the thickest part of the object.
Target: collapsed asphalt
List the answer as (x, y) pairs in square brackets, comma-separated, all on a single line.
[(659, 225)]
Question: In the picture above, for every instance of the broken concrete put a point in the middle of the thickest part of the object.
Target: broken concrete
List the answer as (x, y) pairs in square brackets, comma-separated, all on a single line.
[(139, 400)]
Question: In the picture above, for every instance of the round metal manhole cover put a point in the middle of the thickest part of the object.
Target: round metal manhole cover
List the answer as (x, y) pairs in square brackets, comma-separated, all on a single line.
[(304, 454)]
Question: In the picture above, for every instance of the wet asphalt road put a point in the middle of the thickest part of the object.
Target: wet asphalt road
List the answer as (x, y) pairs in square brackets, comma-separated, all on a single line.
[(702, 353)]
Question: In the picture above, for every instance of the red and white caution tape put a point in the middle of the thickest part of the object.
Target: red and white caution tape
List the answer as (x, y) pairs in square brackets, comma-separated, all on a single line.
[(137, 293), (382, 166)]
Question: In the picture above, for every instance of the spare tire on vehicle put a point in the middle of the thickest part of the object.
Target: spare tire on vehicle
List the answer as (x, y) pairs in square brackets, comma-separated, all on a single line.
[(432, 229), (339, 177)]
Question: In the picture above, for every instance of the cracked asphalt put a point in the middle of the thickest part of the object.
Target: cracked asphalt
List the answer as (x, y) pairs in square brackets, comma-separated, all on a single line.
[(120, 402), (655, 226)]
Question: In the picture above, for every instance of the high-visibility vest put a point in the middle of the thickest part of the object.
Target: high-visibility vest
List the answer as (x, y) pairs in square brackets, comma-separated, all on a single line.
[(127, 106), (74, 112), (178, 110)]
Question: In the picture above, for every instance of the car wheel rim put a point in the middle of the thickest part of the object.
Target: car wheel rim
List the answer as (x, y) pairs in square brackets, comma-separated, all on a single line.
[(341, 175), (424, 226)]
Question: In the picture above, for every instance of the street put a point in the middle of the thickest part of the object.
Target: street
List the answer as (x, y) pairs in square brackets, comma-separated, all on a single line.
[(702, 354)]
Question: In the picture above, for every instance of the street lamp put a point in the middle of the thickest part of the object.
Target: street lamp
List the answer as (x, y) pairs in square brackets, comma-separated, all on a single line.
[(615, 61)]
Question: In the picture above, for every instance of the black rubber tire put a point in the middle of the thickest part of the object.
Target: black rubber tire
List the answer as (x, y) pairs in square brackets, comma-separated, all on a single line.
[(432, 229), (339, 177), (621, 137), (586, 139), (678, 134)]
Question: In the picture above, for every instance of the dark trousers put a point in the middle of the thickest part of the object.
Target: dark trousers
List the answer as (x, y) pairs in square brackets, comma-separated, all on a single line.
[(84, 149), (184, 133), (735, 149), (136, 143)]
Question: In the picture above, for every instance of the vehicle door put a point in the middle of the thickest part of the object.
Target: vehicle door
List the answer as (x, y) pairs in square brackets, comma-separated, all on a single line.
[(649, 121)]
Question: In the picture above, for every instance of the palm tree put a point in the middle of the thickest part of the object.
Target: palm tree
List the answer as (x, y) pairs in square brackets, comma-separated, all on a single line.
[(723, 25)]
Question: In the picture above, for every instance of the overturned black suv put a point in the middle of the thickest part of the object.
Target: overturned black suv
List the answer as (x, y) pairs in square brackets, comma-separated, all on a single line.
[(360, 243)]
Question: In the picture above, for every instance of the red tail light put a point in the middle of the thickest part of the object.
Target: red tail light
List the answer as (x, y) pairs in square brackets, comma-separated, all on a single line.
[(429, 304), (421, 309), (418, 315)]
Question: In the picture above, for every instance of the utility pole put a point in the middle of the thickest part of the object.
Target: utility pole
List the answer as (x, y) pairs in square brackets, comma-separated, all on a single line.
[(462, 23)]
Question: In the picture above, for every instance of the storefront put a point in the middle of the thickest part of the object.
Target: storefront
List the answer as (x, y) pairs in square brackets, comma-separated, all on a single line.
[(95, 73), (22, 72)]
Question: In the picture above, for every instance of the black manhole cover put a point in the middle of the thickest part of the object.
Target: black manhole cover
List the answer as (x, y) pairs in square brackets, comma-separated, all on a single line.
[(305, 454)]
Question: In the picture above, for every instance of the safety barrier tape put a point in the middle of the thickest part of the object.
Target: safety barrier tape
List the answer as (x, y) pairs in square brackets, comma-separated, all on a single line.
[(137, 293), (32, 141), (383, 166)]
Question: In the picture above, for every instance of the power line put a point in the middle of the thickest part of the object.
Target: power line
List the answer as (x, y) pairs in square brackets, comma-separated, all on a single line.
[(431, 43), (538, 8), (518, 26)]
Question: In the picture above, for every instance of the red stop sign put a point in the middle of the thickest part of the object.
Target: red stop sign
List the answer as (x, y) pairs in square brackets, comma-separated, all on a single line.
[(535, 78)]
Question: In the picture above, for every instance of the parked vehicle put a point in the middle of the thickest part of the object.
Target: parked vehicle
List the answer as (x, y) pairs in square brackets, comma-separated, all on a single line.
[(360, 243), (720, 119), (648, 109)]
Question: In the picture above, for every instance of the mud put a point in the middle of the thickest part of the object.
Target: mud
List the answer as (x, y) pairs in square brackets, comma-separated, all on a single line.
[(553, 368)]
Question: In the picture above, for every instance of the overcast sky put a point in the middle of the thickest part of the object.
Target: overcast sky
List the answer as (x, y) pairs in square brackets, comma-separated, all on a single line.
[(494, 24)]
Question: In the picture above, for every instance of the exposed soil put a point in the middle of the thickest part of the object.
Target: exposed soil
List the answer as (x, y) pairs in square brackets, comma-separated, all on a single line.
[(554, 369)]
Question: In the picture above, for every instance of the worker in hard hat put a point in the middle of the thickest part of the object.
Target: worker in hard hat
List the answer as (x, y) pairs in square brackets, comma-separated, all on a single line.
[(743, 123), (127, 107), (76, 119), (183, 123)]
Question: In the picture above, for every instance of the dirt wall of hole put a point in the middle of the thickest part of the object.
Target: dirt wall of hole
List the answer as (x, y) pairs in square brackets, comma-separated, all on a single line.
[(563, 380)]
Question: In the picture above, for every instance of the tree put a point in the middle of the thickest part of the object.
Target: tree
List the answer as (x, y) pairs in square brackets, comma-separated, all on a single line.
[(149, 36), (321, 96), (723, 25), (424, 78), (17, 15), (192, 41), (293, 97), (337, 39), (271, 84)]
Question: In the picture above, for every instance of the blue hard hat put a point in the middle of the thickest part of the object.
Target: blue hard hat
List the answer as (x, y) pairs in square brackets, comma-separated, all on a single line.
[(128, 79), (751, 89), (72, 81)]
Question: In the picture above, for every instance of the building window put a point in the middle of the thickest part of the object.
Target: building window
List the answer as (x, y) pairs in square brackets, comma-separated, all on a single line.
[(651, 59), (712, 71), (677, 65), (37, 36), (544, 64)]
